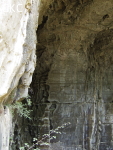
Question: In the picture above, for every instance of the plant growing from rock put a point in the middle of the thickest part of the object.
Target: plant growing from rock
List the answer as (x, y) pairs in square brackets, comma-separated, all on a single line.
[(21, 108), (38, 143)]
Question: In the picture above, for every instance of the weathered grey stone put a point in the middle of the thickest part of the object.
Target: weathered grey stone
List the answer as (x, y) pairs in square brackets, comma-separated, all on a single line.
[(79, 66)]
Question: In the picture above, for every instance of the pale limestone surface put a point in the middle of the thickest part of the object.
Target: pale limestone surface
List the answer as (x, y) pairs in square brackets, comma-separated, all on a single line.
[(18, 24), (5, 126)]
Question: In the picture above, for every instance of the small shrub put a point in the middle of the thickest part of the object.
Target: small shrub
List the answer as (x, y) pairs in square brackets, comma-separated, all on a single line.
[(41, 142), (21, 108)]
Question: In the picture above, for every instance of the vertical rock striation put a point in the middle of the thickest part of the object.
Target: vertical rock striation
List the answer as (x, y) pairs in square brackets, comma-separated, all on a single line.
[(74, 54), (5, 126)]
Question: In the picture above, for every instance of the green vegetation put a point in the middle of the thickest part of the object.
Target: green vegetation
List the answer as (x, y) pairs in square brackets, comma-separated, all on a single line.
[(41, 142), (21, 108)]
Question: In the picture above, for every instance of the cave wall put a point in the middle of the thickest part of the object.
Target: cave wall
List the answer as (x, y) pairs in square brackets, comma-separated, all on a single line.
[(74, 73), (72, 81)]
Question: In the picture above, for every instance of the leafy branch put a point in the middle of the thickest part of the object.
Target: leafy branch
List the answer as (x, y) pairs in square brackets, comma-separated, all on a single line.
[(45, 136)]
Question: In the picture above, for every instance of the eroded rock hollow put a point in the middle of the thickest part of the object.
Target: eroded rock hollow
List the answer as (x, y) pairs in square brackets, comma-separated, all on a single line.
[(72, 81), (74, 73)]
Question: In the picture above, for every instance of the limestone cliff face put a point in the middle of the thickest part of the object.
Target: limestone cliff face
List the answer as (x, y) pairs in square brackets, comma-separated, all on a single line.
[(19, 20), (72, 81), (18, 24)]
